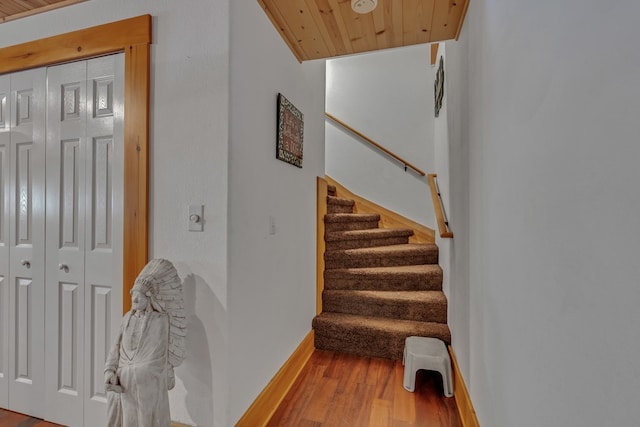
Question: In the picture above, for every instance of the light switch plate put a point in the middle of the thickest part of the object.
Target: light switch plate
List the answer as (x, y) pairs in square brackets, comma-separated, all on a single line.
[(196, 218)]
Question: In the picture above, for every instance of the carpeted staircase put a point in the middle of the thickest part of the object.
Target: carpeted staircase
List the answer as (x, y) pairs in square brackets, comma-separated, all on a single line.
[(379, 288)]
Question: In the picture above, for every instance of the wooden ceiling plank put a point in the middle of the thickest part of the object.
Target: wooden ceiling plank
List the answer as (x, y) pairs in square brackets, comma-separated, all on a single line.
[(32, 4), (425, 20), (397, 19), (42, 9), (382, 24), (11, 7), (409, 22), (302, 25), (317, 12), (332, 25), (446, 15), (281, 25), (354, 27), (316, 40), (27, 5), (369, 30), (341, 22)]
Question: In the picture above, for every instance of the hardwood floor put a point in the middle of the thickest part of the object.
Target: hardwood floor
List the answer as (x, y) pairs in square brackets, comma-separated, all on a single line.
[(13, 419), (336, 389), (342, 390)]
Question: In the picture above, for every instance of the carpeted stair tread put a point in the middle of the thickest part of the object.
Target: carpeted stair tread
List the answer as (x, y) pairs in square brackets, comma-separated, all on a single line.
[(331, 190), (383, 256), (400, 278), (425, 306), (371, 336), (354, 239)]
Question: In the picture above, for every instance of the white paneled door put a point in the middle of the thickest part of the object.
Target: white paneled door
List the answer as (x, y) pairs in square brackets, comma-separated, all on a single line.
[(53, 352), (25, 141), (5, 94)]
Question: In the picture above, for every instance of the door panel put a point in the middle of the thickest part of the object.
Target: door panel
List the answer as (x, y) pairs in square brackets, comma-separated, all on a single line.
[(24, 330), (5, 112), (24, 192), (104, 227), (66, 188), (26, 242), (84, 283), (69, 321)]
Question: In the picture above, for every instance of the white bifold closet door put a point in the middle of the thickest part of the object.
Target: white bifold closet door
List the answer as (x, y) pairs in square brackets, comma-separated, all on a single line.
[(22, 295), (61, 203), (83, 234), (5, 91)]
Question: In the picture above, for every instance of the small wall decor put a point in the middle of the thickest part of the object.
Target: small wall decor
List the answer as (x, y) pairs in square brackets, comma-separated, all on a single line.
[(290, 132), (438, 87)]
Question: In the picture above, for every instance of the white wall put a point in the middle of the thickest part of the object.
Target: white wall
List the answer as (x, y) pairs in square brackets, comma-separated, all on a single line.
[(188, 156), (450, 155), (271, 277), (549, 121), (387, 96)]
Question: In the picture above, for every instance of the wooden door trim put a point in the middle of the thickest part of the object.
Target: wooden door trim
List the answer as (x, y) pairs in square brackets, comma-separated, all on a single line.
[(133, 38)]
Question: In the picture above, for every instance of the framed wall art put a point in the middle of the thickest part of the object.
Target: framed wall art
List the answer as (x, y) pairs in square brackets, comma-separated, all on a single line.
[(290, 132), (438, 87)]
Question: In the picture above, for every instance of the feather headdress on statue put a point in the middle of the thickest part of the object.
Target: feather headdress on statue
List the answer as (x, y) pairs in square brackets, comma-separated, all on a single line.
[(159, 282)]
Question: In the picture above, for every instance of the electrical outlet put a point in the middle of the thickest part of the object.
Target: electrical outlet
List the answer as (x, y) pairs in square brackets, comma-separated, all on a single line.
[(272, 225)]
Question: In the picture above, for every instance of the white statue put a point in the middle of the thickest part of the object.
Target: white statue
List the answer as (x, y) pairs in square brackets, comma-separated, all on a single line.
[(139, 369)]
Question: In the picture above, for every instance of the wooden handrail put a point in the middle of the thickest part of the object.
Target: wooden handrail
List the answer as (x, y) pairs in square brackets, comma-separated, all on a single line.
[(375, 144), (443, 224)]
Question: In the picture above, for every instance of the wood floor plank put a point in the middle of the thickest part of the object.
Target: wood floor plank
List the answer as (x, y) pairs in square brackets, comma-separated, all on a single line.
[(375, 370), (437, 407), (404, 403), (297, 402), (14, 419), (380, 413), (361, 407), (385, 381), (321, 399), (357, 374), (338, 414)]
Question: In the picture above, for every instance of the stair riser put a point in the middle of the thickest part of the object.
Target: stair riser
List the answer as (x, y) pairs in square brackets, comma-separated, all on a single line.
[(339, 209), (338, 205), (365, 243), (366, 345), (387, 261), (422, 312), (326, 343), (413, 284), (350, 226)]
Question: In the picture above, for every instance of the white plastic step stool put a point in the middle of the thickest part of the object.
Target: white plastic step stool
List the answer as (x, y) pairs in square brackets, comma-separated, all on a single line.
[(430, 354)]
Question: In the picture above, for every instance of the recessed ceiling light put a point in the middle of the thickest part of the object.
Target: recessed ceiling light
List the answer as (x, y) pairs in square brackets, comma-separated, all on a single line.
[(363, 6)]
